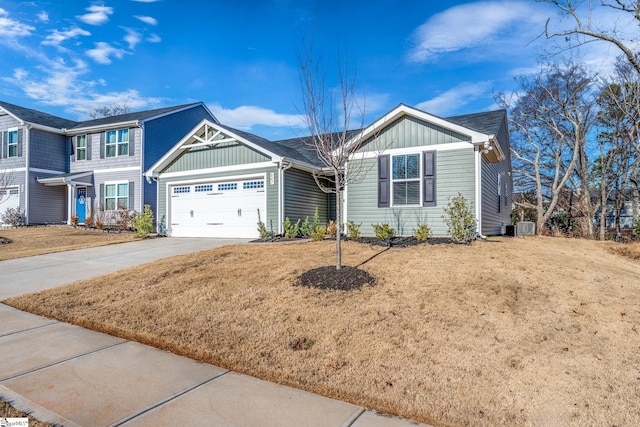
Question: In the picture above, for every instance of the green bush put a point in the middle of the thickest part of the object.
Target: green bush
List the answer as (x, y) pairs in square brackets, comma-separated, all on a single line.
[(143, 222), (637, 228), (383, 231), (262, 229), (422, 233), (291, 230), (460, 219), (319, 233), (354, 229)]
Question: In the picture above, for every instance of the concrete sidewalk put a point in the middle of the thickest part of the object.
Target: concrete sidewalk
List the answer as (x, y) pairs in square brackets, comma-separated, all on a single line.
[(73, 376)]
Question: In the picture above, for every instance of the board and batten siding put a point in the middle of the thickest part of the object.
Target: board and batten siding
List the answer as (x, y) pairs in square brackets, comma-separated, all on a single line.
[(301, 197), (224, 154), (410, 132), (455, 174), (47, 205), (271, 217)]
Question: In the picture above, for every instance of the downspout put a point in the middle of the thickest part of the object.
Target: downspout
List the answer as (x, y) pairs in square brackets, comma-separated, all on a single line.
[(478, 153), (26, 173), (281, 169)]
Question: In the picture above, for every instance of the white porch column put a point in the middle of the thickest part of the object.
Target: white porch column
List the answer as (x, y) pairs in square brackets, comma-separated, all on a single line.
[(70, 204)]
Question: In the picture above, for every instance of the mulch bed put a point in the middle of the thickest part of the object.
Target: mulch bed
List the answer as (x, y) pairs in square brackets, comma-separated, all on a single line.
[(5, 240), (345, 279)]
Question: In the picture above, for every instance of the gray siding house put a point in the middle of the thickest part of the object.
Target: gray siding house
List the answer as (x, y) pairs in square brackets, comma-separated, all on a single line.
[(61, 168), (217, 181)]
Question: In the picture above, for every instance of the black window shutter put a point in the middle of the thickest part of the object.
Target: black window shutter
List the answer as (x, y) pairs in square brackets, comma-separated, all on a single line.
[(20, 139), (88, 145), (131, 196), (384, 181), (102, 197), (429, 178), (132, 141), (102, 138), (4, 145), (73, 140)]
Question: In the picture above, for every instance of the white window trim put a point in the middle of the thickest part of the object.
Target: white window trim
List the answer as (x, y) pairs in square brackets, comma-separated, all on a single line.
[(104, 196), (116, 144), (9, 144), (86, 138), (419, 179)]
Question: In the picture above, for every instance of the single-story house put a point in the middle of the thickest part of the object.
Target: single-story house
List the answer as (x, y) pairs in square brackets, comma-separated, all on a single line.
[(218, 181)]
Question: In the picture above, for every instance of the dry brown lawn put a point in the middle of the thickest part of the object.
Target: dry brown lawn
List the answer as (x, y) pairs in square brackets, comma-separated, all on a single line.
[(535, 331), (38, 240), (8, 411)]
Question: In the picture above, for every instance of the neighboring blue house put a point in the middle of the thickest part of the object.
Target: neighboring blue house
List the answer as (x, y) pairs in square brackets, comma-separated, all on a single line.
[(60, 168), (217, 181)]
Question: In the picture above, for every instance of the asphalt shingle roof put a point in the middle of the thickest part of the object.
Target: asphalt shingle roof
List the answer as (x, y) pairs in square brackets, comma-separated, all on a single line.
[(37, 117), (488, 122), (129, 117)]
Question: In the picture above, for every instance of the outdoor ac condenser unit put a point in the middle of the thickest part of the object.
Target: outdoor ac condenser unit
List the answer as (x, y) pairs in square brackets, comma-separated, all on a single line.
[(526, 228)]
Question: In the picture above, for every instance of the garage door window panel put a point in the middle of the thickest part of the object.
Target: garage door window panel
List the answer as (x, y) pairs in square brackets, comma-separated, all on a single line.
[(228, 186)]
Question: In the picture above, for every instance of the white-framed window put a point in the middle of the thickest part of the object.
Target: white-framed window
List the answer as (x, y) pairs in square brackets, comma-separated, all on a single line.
[(405, 180), (81, 147), (12, 143), (116, 195), (117, 143)]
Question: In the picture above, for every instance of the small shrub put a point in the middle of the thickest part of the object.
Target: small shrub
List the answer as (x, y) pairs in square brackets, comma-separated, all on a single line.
[(332, 229), (305, 228), (460, 219), (354, 229), (636, 229), (13, 217), (88, 221), (74, 220), (422, 233), (383, 231), (291, 230), (143, 222), (262, 229), (319, 233), (123, 219)]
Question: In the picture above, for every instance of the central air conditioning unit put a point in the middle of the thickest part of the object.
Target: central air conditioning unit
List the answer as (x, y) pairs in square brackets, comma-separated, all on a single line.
[(526, 228)]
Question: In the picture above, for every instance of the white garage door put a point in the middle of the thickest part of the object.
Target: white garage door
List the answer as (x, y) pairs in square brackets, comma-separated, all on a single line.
[(9, 198), (217, 209)]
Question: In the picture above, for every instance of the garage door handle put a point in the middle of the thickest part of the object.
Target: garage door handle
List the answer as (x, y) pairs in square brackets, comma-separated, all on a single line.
[(239, 212), (215, 223)]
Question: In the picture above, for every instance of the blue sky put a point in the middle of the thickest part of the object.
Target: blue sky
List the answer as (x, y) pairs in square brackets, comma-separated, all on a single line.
[(240, 58)]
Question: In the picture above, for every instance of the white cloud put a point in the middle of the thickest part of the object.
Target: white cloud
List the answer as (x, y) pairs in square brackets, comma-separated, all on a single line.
[(154, 38), (483, 23), (132, 38), (43, 16), (452, 99), (11, 29), (247, 116), (57, 37), (103, 52), (147, 19), (97, 15)]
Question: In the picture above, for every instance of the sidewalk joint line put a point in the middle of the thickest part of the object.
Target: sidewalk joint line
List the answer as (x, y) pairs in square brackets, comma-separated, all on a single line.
[(168, 399), (354, 417), (53, 322), (77, 356)]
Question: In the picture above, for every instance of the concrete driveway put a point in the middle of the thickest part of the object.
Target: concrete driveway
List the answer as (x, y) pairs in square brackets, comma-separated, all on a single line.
[(31, 274)]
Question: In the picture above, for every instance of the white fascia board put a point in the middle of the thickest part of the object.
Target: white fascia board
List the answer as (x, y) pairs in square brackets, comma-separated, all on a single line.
[(175, 151), (404, 110), (177, 110), (92, 129), (47, 128)]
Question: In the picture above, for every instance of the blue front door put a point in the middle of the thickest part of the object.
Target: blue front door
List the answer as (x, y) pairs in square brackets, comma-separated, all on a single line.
[(81, 202)]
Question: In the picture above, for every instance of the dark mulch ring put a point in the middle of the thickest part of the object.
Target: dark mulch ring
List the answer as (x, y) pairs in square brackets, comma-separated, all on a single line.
[(345, 279), (401, 242), (5, 240)]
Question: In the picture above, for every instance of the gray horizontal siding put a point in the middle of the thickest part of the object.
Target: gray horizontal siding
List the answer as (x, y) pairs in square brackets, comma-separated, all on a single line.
[(46, 204), (48, 151), (493, 219), (302, 195), (455, 173), (411, 132), (225, 154), (100, 179), (94, 161), (271, 217)]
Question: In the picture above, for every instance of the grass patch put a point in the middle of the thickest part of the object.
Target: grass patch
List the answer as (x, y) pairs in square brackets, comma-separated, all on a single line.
[(9, 411), (532, 331), (629, 250), (39, 240)]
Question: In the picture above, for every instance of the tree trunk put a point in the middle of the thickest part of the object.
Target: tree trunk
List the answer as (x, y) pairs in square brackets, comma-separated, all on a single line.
[(603, 207), (338, 226)]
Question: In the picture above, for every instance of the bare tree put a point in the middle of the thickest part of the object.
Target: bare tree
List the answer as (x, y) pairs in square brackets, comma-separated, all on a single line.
[(328, 114), (588, 29), (108, 111), (550, 120)]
